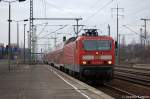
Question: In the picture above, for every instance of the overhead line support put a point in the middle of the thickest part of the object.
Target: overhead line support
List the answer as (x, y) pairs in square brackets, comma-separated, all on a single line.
[(57, 18), (118, 58), (31, 32), (145, 25)]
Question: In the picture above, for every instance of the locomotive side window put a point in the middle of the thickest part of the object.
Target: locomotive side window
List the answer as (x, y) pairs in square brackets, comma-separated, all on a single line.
[(97, 45)]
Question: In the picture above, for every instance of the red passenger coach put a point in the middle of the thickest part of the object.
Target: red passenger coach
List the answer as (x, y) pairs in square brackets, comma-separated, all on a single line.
[(89, 56)]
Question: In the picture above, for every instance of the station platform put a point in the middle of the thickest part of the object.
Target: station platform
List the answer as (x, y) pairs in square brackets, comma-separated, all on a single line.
[(42, 82)]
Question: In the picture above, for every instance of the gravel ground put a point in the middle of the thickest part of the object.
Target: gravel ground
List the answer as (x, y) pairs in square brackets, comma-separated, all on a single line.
[(132, 88)]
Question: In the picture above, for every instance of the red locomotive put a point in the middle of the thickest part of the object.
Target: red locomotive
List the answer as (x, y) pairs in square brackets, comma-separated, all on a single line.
[(89, 56)]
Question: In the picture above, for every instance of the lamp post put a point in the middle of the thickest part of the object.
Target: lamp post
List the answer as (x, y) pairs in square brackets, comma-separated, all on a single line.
[(24, 43), (9, 28), (17, 21)]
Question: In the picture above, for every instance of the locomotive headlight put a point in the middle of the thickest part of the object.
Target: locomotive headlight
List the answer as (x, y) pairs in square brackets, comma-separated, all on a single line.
[(87, 57), (109, 62), (84, 62), (106, 57)]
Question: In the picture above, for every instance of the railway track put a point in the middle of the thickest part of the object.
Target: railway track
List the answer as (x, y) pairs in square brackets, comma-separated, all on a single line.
[(120, 90), (118, 93), (136, 75)]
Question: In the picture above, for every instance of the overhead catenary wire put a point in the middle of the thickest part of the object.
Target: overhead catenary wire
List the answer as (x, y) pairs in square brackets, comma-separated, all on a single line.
[(139, 11), (133, 31), (42, 29), (53, 5), (55, 31), (59, 8), (96, 3), (44, 8), (135, 14), (100, 9)]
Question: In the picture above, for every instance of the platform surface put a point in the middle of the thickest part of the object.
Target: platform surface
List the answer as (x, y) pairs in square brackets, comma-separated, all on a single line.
[(34, 82)]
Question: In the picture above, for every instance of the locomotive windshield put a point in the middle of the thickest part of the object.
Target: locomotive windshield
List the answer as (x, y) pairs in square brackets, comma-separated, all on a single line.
[(97, 45)]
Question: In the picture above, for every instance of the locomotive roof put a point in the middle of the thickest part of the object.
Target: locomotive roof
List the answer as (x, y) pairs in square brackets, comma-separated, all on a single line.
[(72, 39), (58, 46), (94, 37)]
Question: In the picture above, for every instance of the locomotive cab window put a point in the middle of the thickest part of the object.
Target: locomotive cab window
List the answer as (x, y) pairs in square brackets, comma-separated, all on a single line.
[(97, 45)]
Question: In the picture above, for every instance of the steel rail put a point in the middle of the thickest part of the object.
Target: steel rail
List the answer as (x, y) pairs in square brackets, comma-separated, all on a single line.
[(117, 89)]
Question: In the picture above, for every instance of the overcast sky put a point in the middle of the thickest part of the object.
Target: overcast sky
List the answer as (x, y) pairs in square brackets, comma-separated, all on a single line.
[(95, 13)]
